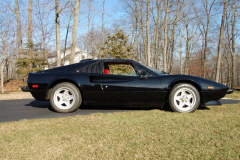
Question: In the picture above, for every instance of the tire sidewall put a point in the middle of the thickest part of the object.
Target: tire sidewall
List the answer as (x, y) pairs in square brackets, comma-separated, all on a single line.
[(180, 86), (76, 93)]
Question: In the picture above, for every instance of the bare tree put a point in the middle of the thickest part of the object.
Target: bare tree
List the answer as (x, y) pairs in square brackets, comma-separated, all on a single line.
[(204, 28), (175, 24), (219, 55), (19, 29), (43, 12), (188, 38), (30, 38), (89, 22), (180, 52), (143, 30), (74, 32), (166, 5), (234, 19), (156, 33), (66, 37), (148, 35), (102, 32), (4, 36), (57, 21), (138, 54)]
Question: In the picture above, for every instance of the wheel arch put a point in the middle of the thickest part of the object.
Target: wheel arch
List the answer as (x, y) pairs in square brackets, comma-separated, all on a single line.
[(192, 82), (61, 80)]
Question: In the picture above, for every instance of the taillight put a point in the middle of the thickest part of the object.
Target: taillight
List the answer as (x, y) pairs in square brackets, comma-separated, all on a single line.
[(35, 86)]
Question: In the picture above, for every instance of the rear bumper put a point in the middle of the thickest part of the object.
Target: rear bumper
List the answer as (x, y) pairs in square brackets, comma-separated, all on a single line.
[(25, 89), (230, 91)]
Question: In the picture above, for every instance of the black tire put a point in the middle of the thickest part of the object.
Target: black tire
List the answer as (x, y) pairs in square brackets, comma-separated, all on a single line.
[(184, 98), (65, 97)]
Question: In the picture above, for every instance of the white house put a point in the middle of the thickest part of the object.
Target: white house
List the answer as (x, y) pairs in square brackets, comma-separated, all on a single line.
[(79, 55)]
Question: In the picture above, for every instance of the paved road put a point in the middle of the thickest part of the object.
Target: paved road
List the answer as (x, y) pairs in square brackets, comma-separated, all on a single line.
[(15, 110)]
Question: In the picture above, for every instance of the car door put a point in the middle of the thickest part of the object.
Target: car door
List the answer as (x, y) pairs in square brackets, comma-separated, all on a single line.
[(126, 87)]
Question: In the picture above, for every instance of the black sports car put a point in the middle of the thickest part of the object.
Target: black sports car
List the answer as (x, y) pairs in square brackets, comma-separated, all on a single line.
[(120, 82)]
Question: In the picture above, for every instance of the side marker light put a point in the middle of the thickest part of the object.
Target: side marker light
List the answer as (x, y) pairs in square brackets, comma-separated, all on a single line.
[(210, 87)]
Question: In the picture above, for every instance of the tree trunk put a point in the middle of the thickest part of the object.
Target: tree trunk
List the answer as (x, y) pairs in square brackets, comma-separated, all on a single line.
[(102, 30), (19, 30), (155, 61), (65, 45), (227, 54), (74, 32), (165, 36), (89, 22), (143, 31), (57, 20), (2, 74), (219, 57), (179, 8), (234, 12), (66, 37), (30, 39), (102, 39), (181, 70), (92, 41), (4, 61), (187, 60), (137, 34), (148, 35), (161, 44)]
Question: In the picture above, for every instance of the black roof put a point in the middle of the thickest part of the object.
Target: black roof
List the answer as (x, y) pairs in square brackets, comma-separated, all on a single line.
[(106, 60)]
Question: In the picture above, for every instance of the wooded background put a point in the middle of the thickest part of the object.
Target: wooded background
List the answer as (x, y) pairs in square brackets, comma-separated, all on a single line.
[(196, 37)]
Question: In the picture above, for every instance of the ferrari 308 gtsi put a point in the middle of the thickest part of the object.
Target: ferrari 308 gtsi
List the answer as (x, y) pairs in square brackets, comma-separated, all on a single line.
[(120, 82)]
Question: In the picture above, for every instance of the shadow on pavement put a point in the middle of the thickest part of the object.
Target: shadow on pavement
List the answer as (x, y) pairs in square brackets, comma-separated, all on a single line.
[(229, 101), (41, 104), (46, 104)]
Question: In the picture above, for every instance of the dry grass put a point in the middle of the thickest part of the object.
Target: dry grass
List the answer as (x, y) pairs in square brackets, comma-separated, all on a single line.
[(156, 134)]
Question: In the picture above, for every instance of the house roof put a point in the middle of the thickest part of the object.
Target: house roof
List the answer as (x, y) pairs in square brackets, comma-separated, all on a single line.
[(67, 57), (54, 53)]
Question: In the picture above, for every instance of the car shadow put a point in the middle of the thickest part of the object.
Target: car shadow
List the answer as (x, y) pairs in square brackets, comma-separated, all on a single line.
[(47, 105), (41, 104), (229, 101), (120, 107)]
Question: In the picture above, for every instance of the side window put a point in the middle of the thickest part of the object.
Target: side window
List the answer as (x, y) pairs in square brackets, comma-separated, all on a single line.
[(91, 68), (138, 69), (120, 69)]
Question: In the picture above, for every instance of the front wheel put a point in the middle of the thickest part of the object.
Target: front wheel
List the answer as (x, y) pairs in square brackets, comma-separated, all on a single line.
[(65, 97), (184, 98)]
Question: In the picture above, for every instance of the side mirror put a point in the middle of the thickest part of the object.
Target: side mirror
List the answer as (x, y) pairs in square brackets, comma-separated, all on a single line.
[(143, 74)]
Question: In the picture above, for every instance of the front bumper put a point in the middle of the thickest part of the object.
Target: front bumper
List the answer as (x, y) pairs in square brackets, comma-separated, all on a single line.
[(230, 91), (25, 89)]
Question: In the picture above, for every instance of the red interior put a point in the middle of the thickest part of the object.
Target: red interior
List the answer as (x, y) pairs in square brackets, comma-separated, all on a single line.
[(106, 71)]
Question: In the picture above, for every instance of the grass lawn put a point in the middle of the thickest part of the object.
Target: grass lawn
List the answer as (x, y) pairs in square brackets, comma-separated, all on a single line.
[(155, 134)]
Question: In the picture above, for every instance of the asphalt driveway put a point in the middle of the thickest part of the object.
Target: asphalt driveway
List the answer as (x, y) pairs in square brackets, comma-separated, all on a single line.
[(15, 110)]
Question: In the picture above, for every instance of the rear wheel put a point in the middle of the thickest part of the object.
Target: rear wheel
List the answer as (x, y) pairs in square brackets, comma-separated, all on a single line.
[(65, 97), (184, 98)]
